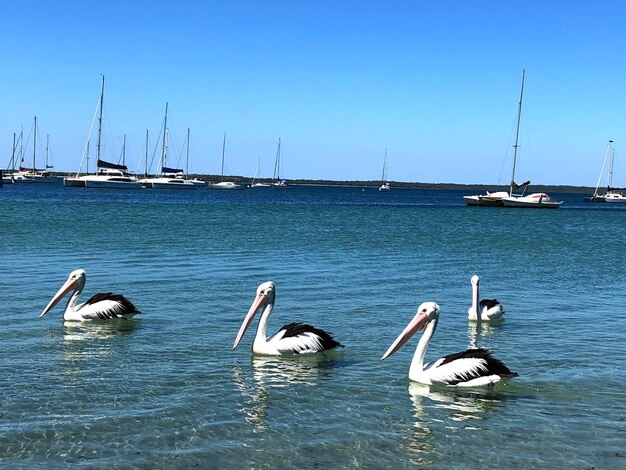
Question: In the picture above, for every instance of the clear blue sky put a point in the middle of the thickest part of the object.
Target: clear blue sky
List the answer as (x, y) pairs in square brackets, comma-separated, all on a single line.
[(437, 83)]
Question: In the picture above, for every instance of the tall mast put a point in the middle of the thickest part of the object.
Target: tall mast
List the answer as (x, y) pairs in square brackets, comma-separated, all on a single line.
[(34, 142), (612, 157), (124, 151), (21, 145), (223, 152), (385, 167), (146, 162), (13, 154), (164, 150), (47, 145), (88, 142), (277, 163), (100, 120), (187, 163), (519, 115)]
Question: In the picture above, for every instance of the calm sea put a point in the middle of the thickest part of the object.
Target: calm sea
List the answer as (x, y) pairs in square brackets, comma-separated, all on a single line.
[(168, 391)]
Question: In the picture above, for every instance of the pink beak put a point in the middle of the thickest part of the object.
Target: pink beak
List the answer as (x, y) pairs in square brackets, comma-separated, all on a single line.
[(69, 285), (259, 302), (418, 323)]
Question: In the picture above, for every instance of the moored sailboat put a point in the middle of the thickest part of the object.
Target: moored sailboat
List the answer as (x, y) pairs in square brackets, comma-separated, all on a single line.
[(511, 198), (33, 175), (384, 183), (278, 183), (169, 178), (611, 195), (225, 185)]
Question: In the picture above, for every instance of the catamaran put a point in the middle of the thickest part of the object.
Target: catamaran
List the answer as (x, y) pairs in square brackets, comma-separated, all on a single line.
[(108, 175), (169, 178)]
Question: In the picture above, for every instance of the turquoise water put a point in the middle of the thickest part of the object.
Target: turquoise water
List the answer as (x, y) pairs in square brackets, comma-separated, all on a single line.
[(168, 390)]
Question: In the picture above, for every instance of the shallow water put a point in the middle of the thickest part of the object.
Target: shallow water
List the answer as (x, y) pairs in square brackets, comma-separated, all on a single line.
[(167, 390)]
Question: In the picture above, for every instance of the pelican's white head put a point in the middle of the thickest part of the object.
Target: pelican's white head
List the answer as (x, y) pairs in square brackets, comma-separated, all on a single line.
[(475, 279), (75, 282), (265, 294), (426, 313)]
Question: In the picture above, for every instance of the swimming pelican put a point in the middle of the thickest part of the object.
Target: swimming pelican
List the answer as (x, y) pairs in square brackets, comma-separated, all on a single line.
[(294, 338), (103, 306), (490, 309), (471, 368)]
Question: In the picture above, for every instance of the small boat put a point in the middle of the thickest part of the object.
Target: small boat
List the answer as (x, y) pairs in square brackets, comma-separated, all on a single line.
[(384, 183), (534, 200), (498, 198), (255, 181), (225, 185), (34, 175), (169, 178), (7, 178), (277, 183), (612, 195)]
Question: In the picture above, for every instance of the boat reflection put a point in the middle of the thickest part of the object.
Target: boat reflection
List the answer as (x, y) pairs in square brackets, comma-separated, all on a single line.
[(270, 373)]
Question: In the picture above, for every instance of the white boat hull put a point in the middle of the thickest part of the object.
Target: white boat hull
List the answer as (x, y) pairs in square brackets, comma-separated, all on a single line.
[(489, 199), (226, 185), (104, 184), (535, 201), (611, 198), (74, 182)]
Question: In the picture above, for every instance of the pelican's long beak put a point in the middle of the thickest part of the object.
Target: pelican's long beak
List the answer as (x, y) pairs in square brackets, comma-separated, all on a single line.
[(69, 285), (418, 323), (259, 302)]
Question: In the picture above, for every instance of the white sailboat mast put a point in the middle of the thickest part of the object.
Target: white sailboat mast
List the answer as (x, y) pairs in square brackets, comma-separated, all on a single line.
[(164, 149), (516, 146), (100, 121)]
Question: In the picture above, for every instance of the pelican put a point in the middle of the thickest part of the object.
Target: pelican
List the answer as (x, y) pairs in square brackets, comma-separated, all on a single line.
[(103, 306), (471, 368), (294, 338), (490, 309)]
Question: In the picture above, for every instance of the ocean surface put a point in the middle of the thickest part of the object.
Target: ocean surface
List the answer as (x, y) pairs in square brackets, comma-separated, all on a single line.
[(168, 390)]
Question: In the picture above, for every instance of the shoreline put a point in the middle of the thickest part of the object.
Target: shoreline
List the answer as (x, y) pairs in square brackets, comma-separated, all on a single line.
[(481, 188)]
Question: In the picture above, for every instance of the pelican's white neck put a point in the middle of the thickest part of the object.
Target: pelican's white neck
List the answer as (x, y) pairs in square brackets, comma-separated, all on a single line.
[(475, 296), (261, 331), (416, 370)]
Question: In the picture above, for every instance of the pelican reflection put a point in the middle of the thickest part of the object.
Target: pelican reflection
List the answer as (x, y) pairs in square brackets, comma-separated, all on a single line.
[(481, 330), (457, 405), (93, 339), (274, 373)]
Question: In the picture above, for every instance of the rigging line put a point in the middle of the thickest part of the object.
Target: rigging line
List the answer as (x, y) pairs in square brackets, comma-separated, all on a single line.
[(86, 148)]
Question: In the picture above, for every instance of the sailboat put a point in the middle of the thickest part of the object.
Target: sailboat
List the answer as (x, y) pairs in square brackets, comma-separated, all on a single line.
[(384, 183), (109, 175), (228, 185), (255, 181), (169, 178), (612, 195), (277, 182), (510, 198), (7, 178), (33, 175)]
